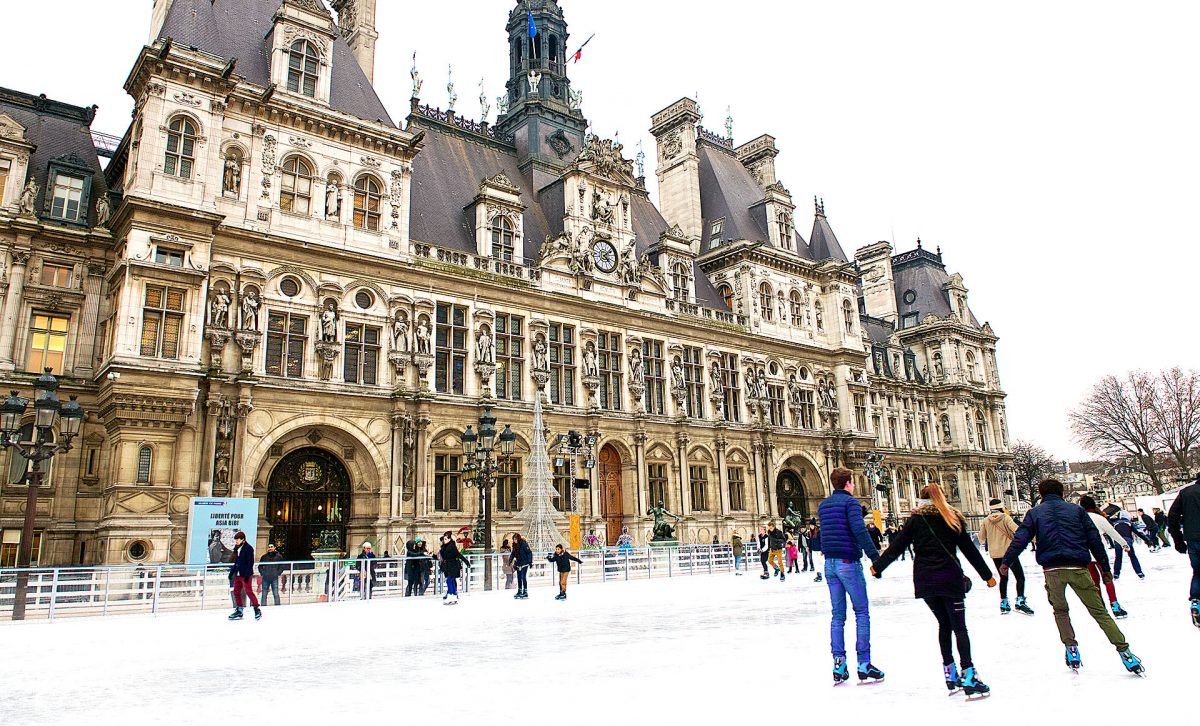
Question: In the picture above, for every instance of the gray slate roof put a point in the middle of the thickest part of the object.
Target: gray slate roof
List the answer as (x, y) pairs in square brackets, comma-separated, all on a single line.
[(728, 190), (925, 277), (241, 29), (57, 129), (823, 243)]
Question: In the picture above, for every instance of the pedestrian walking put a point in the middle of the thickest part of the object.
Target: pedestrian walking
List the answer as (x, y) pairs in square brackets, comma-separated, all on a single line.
[(844, 540), (242, 572), (1124, 527), (269, 573), (562, 561), (506, 564), (451, 560), (735, 544), (1118, 542), (997, 532), (776, 541), (1067, 543), (1184, 522), (522, 559), (366, 571), (935, 531), (793, 554)]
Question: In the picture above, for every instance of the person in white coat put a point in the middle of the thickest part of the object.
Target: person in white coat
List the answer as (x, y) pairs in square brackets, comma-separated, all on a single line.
[(1107, 530)]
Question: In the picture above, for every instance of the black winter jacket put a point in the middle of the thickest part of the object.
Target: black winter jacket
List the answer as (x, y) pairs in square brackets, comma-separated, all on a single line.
[(563, 560), (243, 561), (936, 569), (522, 556), (270, 572), (1066, 536), (1183, 521), (776, 539), (452, 560)]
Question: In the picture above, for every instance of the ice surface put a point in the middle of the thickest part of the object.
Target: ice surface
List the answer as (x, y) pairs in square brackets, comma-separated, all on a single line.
[(692, 650)]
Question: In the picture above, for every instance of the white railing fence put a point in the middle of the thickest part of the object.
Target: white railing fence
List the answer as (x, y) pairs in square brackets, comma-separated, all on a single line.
[(56, 592)]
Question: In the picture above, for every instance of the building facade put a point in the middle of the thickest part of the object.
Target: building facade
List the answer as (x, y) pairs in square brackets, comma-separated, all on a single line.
[(274, 290)]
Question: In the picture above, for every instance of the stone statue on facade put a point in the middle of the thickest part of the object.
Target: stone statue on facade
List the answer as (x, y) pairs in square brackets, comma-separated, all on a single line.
[(794, 391), (540, 362), (329, 318), (333, 200), (501, 105), (400, 332), (575, 99), (103, 210), (715, 382), (28, 198), (946, 438), (250, 305), (677, 378), (590, 367), (535, 78), (485, 349), (451, 94), (637, 370), (423, 342), (231, 179), (218, 309), (629, 263), (663, 530), (826, 394), (416, 78)]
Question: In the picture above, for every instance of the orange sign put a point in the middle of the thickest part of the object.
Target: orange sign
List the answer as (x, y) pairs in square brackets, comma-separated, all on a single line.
[(576, 532)]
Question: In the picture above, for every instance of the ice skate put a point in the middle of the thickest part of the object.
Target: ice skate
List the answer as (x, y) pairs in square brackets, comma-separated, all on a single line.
[(953, 682), (1141, 575), (1023, 607), (817, 578), (974, 688), (1118, 612), (236, 614), (1196, 613), (1133, 664), (764, 576), (561, 596), (869, 675), (258, 613), (841, 673), (1073, 660), (1005, 608)]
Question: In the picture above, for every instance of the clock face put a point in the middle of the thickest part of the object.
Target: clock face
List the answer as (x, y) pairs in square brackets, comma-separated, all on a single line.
[(604, 255)]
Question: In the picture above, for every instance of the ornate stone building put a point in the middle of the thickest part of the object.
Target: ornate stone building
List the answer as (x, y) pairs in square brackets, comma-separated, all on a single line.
[(296, 298)]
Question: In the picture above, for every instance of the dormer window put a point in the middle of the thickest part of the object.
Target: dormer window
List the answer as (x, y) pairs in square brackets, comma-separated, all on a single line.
[(681, 281), (726, 293), (303, 63), (368, 201), (502, 239), (181, 148), (167, 256), (714, 233), (785, 228), (67, 199)]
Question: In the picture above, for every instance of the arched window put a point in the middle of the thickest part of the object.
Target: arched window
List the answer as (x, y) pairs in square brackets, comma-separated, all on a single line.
[(18, 466), (502, 238), (181, 148), (765, 302), (145, 457), (981, 429), (295, 191), (726, 293), (797, 309), (302, 68), (972, 366), (681, 281), (785, 229), (848, 316), (368, 200), (554, 54)]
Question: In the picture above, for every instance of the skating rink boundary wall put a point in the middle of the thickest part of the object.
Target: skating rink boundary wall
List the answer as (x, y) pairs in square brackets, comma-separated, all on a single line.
[(61, 592)]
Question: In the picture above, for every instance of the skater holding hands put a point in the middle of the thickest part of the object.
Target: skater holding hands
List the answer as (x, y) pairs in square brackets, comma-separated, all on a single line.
[(935, 530)]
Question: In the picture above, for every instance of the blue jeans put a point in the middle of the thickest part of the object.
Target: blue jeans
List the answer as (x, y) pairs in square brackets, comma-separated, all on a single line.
[(523, 579), (846, 578), (1194, 556), (1137, 566), (451, 585), (737, 563), (270, 584)]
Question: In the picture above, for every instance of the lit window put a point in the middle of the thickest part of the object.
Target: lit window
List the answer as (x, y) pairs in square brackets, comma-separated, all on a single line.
[(10, 545), (67, 197), (502, 239), (47, 341), (302, 68), (181, 148), (162, 256), (726, 293), (295, 193), (368, 200), (56, 275), (162, 322)]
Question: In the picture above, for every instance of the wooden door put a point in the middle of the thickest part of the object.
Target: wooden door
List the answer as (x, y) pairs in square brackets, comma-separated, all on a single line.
[(610, 491)]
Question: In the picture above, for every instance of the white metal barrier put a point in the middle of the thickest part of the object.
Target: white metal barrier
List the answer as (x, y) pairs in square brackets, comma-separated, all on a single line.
[(56, 592)]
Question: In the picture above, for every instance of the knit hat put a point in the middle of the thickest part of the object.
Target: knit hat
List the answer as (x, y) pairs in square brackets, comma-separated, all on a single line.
[(996, 505)]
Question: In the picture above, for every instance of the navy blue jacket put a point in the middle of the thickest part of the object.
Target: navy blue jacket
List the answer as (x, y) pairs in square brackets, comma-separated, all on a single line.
[(243, 562), (522, 556), (1066, 536), (843, 534)]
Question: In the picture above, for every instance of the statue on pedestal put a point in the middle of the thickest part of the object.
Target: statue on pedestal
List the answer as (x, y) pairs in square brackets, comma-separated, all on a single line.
[(663, 530)]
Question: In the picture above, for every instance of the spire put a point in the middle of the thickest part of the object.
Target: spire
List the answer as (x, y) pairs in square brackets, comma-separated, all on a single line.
[(823, 243), (538, 493), (451, 96), (819, 205), (729, 123)]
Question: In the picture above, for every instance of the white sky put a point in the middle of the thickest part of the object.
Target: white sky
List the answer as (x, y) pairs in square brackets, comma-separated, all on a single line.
[(1049, 148)]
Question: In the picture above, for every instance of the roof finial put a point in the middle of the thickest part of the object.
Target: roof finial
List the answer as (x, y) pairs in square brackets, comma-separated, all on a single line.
[(939, 250), (641, 160), (416, 78), (729, 123), (450, 88), (918, 243), (484, 106), (699, 121), (819, 205)]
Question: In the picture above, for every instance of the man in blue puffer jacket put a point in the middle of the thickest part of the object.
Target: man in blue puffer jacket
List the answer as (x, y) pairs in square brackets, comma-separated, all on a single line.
[(1067, 541), (844, 539)]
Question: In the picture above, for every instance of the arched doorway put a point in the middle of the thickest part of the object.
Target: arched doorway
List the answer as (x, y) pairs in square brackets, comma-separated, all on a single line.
[(308, 503), (789, 494), (610, 493)]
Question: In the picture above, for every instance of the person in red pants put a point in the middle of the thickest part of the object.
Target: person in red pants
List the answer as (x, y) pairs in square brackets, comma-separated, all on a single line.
[(1108, 530), (243, 577)]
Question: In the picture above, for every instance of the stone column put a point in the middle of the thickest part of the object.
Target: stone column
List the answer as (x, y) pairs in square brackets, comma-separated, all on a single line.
[(421, 464), (756, 455), (685, 486), (12, 306), (641, 482), (85, 347), (722, 477), (769, 476), (397, 467), (209, 446), (238, 470)]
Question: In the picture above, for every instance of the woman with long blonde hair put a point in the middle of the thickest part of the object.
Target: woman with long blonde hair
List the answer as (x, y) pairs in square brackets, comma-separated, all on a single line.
[(935, 530)]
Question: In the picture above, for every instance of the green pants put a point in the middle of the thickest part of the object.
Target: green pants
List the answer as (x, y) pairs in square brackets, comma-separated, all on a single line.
[(1080, 581)]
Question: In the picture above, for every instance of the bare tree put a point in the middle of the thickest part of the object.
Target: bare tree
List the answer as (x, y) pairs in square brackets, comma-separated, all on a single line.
[(1031, 464), (1117, 421), (1177, 415)]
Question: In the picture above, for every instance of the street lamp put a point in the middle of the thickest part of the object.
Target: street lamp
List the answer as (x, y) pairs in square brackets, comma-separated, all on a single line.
[(481, 465), (48, 411), (569, 448), (873, 463)]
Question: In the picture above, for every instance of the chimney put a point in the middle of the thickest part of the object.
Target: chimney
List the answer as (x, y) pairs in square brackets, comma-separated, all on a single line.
[(674, 129), (158, 16), (356, 19)]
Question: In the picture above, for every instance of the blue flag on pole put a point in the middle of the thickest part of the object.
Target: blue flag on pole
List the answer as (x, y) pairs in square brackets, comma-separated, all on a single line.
[(532, 26)]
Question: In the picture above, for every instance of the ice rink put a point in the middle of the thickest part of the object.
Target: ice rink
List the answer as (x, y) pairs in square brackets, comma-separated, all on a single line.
[(700, 650)]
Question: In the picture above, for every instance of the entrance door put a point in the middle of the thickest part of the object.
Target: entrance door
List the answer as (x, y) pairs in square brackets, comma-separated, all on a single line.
[(308, 503), (789, 489), (610, 488)]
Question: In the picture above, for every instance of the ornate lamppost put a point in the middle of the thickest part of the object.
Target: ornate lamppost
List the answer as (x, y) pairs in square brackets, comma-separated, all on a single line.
[(481, 464), (1010, 487), (873, 461), (41, 447)]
